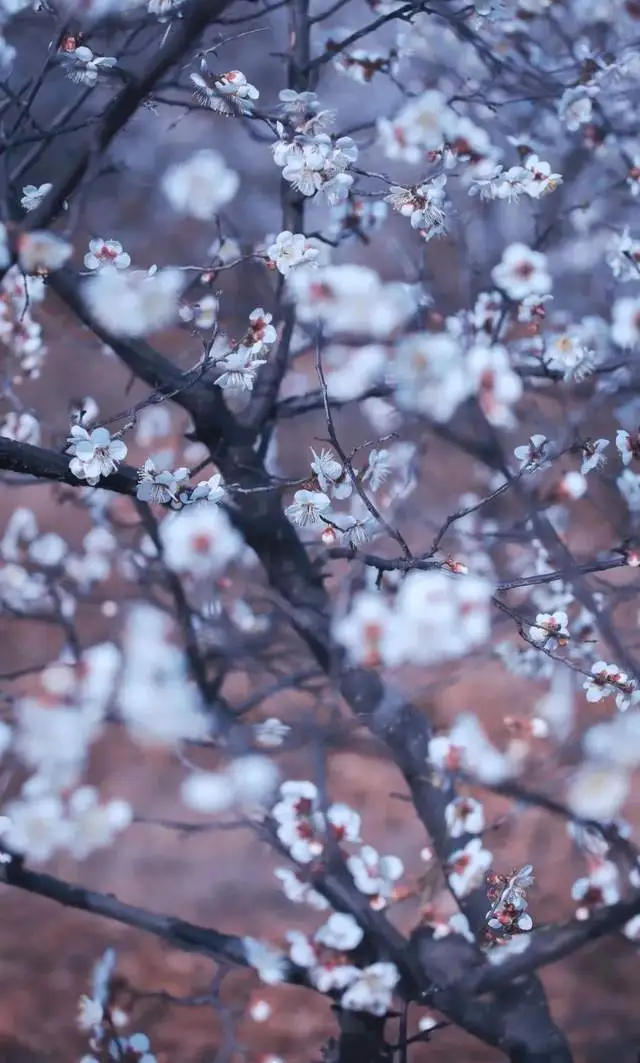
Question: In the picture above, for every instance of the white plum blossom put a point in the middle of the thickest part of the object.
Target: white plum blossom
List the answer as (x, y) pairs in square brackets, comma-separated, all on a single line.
[(628, 446), (464, 815), (23, 427), (269, 962), (38, 827), (229, 94), (467, 748), (200, 541), (600, 887), (42, 252), (375, 875), (522, 272), (550, 629), (623, 257), (106, 253), (159, 486), (339, 932), (576, 106), (364, 629), (420, 126), (467, 867), (84, 67), (332, 478), (94, 454), (597, 791), (425, 205), (429, 374), (372, 991), (298, 891), (207, 791), (308, 508), (132, 302), (625, 327), (606, 680), (531, 454), (239, 370), (200, 186), (629, 486), (351, 299), (290, 250), (33, 195), (593, 455), (94, 825), (498, 386)]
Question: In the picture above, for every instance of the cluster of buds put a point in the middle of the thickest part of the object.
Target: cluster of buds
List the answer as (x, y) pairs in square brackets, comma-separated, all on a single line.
[(508, 896)]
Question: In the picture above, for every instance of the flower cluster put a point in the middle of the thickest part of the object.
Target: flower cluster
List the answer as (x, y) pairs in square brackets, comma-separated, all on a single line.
[(508, 896), (433, 617)]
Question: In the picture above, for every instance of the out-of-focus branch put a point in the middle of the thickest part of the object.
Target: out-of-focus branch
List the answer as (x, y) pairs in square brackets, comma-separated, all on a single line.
[(227, 948)]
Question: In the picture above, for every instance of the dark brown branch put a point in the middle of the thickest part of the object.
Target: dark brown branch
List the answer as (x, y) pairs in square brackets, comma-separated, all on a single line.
[(54, 467)]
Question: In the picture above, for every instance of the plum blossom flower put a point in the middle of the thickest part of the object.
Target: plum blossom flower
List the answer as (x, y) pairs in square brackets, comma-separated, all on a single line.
[(42, 252), (133, 302), (239, 370), (539, 180), (298, 891), (372, 991), (628, 446), (200, 186), (271, 733), (340, 932), (350, 298), (550, 628), (597, 791), (625, 327), (607, 679), (307, 508), (94, 825), (468, 748), (530, 455), (106, 253), (522, 272), (207, 791), (229, 94), (576, 106), (375, 875), (269, 962), (211, 490), (498, 386), (331, 476), (629, 486), (84, 67), (467, 866), (200, 541), (290, 250), (424, 205), (362, 631), (94, 454), (38, 826), (623, 257), (33, 195), (464, 815), (593, 455), (600, 887), (429, 374), (159, 486)]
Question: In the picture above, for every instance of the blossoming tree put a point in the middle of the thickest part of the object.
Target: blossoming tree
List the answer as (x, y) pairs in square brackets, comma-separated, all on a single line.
[(331, 582)]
